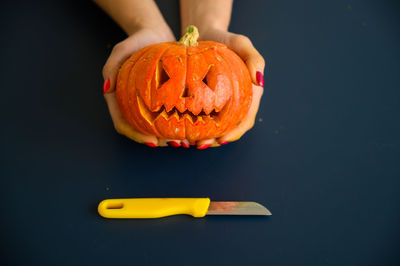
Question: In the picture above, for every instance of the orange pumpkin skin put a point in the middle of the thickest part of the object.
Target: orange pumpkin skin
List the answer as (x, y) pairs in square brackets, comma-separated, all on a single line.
[(181, 92)]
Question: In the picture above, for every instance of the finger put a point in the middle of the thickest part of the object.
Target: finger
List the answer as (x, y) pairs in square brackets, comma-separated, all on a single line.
[(254, 60), (162, 142), (173, 142), (123, 127), (248, 122), (185, 143), (118, 55), (204, 144)]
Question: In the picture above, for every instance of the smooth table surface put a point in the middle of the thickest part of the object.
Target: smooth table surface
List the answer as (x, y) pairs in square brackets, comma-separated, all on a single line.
[(323, 155)]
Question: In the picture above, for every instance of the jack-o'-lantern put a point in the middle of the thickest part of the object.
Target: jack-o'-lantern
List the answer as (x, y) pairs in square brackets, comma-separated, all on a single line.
[(184, 90)]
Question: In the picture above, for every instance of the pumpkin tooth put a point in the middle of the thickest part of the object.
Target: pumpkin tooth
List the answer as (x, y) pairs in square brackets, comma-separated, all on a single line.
[(209, 112), (157, 109), (163, 113), (181, 109), (188, 117), (176, 115), (200, 119), (170, 108), (203, 113), (194, 112)]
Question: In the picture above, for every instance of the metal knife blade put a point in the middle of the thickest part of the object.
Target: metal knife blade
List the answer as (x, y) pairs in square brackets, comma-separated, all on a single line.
[(237, 208)]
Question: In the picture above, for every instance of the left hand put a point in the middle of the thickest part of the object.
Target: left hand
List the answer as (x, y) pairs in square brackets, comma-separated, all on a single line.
[(255, 63)]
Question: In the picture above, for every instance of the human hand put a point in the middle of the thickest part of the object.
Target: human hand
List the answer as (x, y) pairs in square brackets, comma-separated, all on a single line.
[(120, 52), (255, 63), (146, 37), (212, 19)]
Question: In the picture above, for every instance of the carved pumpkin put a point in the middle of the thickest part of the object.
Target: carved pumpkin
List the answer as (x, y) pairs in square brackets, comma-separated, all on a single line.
[(184, 90)]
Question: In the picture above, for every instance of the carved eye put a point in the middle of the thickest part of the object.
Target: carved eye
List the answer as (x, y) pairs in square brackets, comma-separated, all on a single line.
[(162, 75), (205, 79)]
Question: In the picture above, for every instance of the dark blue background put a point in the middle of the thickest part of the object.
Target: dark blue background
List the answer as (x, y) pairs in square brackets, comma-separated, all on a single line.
[(324, 159)]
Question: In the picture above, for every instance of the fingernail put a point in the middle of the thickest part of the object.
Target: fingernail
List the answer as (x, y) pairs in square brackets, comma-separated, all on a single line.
[(173, 144), (224, 143), (185, 145), (260, 78), (150, 144), (202, 147), (106, 86)]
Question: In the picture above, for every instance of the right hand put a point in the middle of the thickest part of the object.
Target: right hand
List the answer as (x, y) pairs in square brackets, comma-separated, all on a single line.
[(119, 54)]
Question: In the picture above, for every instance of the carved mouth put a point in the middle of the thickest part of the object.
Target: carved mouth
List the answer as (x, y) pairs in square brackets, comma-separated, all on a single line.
[(174, 112)]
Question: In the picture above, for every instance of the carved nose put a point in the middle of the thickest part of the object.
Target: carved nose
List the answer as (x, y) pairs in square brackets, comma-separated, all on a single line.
[(187, 93)]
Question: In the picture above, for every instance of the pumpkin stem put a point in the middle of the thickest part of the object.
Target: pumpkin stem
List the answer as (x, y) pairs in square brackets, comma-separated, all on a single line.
[(190, 37)]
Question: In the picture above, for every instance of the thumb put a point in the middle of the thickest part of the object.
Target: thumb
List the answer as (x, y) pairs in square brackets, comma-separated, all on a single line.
[(254, 60), (119, 54)]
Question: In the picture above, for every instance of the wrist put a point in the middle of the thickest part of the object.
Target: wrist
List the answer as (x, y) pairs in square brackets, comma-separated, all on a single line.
[(211, 26), (212, 32), (138, 25), (206, 15), (207, 27), (157, 33)]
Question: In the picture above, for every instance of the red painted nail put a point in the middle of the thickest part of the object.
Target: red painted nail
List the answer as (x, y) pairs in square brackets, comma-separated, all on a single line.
[(150, 144), (106, 86), (185, 145), (202, 147), (174, 144), (224, 143), (260, 78)]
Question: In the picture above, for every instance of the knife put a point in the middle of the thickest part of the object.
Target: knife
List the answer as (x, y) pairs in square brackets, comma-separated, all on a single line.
[(161, 207)]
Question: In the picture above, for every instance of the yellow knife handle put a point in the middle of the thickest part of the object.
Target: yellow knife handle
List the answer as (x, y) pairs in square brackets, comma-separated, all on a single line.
[(153, 207)]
